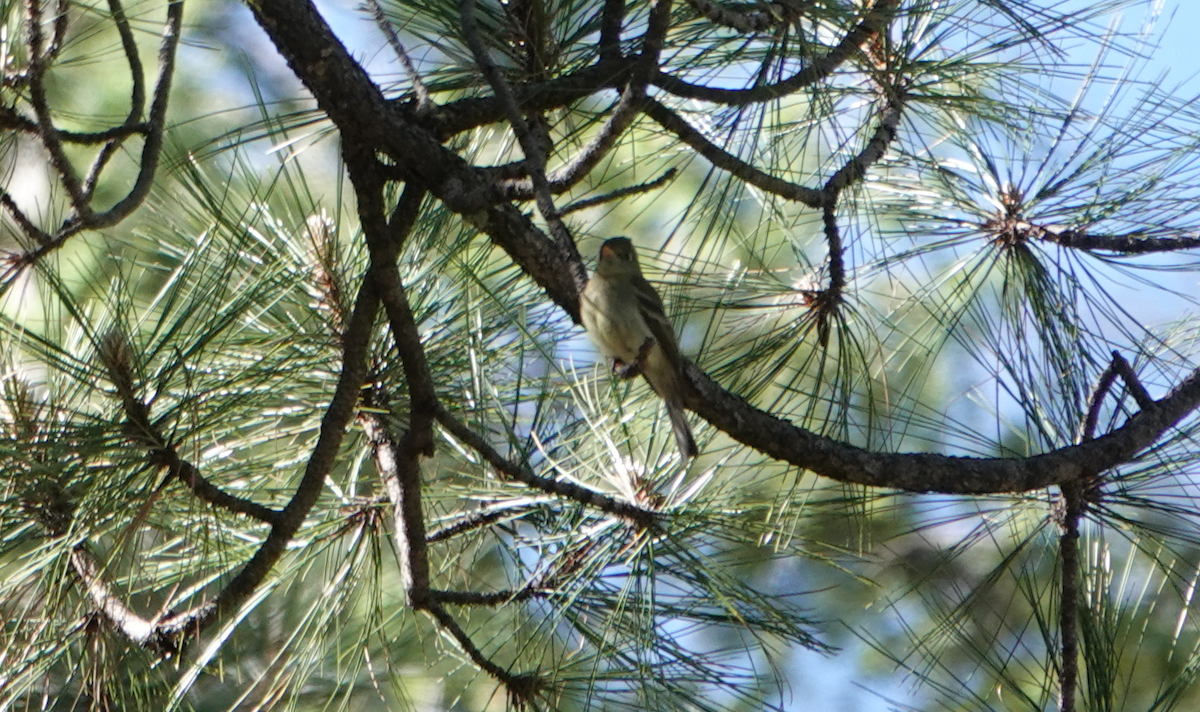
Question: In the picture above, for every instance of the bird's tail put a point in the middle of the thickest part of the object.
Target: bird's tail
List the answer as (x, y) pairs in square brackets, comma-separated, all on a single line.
[(683, 434)]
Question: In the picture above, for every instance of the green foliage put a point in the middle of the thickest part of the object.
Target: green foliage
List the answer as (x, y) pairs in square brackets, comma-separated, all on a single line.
[(210, 329)]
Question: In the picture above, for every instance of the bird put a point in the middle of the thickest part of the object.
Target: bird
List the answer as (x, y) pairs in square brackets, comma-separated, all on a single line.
[(625, 319)]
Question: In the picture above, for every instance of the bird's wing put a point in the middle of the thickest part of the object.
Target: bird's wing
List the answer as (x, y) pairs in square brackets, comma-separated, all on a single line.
[(655, 316)]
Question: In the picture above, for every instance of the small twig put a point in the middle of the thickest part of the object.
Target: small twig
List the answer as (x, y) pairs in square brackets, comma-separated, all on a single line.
[(626, 110), (478, 519), (642, 517), (775, 16), (620, 193), (399, 468), (1127, 374), (521, 687), (137, 96), (39, 62), (495, 598), (1117, 367), (465, 114), (115, 353), (33, 232), (189, 474), (818, 69), (10, 120), (152, 148), (84, 217), (535, 153), (424, 101), (856, 168), (720, 158)]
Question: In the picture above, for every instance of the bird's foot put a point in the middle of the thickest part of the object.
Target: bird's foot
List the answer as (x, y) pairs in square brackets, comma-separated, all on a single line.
[(633, 370)]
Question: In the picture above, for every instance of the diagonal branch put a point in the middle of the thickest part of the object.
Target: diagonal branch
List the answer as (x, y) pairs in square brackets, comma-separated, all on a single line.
[(425, 103), (115, 353), (721, 158), (333, 427), (535, 148), (644, 518)]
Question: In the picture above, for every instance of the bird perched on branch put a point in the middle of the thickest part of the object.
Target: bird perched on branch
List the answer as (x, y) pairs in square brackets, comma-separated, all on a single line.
[(625, 318)]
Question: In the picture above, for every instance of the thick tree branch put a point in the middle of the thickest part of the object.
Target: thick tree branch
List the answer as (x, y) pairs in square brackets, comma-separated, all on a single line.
[(923, 472), (1068, 604), (612, 16), (1136, 243), (398, 461)]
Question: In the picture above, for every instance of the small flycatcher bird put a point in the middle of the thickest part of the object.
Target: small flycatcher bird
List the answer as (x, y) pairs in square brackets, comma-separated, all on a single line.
[(625, 318)]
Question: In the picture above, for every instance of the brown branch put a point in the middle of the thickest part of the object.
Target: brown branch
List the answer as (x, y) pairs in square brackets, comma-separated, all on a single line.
[(51, 508), (612, 16), (31, 231), (856, 168), (39, 63), (425, 103), (622, 117), (189, 474), (535, 149), (620, 193), (333, 427), (720, 158), (521, 688), (398, 461), (469, 113), (820, 68), (1132, 383), (1135, 243), (776, 15), (152, 147), (10, 120), (641, 517), (85, 218), (494, 598), (137, 96), (483, 517), (1068, 612), (925, 472)]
